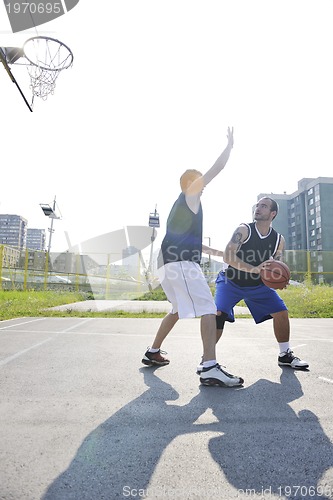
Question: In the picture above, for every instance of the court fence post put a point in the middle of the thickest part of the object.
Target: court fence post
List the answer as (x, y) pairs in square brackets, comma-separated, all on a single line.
[(1, 258), (25, 274)]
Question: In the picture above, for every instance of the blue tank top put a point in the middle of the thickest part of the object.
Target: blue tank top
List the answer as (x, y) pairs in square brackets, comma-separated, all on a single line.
[(183, 239), (255, 250)]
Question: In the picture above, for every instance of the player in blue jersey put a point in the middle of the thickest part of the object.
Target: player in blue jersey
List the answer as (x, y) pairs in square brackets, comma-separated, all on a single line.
[(250, 249), (182, 278)]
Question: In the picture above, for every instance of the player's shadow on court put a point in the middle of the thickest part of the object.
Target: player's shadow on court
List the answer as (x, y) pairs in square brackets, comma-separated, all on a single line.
[(265, 444), (123, 452)]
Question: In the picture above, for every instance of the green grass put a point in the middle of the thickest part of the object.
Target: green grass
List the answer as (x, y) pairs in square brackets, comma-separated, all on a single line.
[(15, 303), (309, 301), (303, 301), (306, 301)]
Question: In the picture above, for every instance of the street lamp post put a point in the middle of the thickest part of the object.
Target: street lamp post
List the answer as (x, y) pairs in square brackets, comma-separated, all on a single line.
[(50, 212), (209, 256), (154, 221)]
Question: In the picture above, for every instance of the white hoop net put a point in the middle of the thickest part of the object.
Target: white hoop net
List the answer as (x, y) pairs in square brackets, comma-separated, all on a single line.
[(47, 57)]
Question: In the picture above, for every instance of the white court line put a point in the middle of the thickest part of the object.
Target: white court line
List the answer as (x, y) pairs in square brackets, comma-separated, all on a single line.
[(189, 335), (23, 323), (326, 379), (79, 323), (57, 333), (20, 353), (76, 325)]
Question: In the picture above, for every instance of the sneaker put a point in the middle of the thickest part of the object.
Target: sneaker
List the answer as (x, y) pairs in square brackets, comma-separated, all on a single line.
[(214, 375), (200, 367), (288, 359), (155, 358)]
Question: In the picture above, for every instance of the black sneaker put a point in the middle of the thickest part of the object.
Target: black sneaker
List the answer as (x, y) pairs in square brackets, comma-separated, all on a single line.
[(288, 359), (214, 375), (155, 358)]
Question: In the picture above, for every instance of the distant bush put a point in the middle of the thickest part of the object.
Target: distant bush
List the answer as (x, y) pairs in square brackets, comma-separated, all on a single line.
[(156, 294)]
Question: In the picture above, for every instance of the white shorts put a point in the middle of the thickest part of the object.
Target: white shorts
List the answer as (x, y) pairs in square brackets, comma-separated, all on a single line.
[(186, 288)]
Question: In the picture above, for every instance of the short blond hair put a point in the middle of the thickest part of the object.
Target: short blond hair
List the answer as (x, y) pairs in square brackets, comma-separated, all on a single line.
[(188, 176)]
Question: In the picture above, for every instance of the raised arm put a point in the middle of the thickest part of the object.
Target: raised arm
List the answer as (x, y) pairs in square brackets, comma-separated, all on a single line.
[(222, 159), (198, 185)]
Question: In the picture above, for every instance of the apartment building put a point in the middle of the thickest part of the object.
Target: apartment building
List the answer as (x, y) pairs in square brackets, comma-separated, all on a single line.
[(13, 231), (36, 239), (305, 217)]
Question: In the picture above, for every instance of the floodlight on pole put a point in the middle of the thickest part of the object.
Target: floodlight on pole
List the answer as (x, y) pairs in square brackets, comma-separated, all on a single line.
[(209, 256), (50, 212), (154, 221)]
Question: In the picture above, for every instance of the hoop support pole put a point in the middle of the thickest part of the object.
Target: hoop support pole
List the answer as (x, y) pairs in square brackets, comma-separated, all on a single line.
[(11, 76)]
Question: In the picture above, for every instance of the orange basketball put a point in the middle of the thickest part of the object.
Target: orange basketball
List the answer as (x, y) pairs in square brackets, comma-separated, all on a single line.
[(276, 276)]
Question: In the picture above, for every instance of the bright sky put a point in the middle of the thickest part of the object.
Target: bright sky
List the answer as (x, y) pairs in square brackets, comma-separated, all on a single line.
[(153, 88)]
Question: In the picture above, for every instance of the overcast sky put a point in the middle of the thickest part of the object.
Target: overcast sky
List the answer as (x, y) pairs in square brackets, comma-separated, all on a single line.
[(153, 88)]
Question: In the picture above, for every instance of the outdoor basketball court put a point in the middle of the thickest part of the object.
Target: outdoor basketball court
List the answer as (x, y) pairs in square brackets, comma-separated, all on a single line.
[(82, 418)]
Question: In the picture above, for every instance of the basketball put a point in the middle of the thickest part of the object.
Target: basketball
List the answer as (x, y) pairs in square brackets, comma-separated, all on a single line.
[(276, 276)]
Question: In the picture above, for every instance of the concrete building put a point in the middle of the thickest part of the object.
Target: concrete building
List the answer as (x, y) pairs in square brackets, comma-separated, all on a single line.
[(36, 239), (10, 257), (13, 231), (305, 217)]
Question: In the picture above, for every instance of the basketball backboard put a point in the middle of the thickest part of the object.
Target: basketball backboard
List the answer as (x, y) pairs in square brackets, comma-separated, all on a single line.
[(8, 57), (24, 15)]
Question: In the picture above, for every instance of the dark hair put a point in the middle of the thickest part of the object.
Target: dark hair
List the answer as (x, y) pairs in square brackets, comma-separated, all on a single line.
[(274, 206)]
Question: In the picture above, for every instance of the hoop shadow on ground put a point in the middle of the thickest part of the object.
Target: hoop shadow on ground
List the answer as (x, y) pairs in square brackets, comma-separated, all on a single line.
[(288, 449)]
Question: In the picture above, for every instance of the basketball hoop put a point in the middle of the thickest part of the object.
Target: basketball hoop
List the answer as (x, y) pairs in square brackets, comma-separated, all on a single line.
[(47, 57), (44, 58)]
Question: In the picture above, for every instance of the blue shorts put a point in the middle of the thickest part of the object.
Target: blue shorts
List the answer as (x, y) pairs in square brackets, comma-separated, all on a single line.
[(261, 300)]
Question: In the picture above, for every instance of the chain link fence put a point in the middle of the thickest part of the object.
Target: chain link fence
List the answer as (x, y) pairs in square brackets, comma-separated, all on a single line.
[(129, 278)]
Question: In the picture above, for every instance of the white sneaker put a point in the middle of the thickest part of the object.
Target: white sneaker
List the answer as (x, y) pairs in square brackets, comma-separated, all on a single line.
[(214, 375), (288, 359), (199, 369), (200, 366)]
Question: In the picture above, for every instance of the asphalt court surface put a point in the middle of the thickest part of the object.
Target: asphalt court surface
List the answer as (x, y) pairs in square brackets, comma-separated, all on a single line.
[(82, 418)]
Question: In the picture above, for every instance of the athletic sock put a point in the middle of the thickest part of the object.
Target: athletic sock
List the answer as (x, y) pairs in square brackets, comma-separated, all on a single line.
[(209, 364), (284, 346), (153, 350)]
